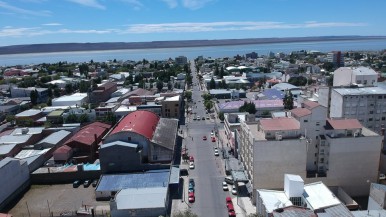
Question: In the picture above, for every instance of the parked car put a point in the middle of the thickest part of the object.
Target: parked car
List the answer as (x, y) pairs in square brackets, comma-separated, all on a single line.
[(228, 180), (198, 118), (76, 183), (191, 181), (234, 191), (213, 139), (191, 158), (228, 200), (191, 197), (204, 138), (203, 118), (86, 183), (225, 186), (191, 165), (212, 134), (94, 183), (191, 189), (231, 210)]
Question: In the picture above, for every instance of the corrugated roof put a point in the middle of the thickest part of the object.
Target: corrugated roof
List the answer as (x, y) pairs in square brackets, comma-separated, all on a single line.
[(28, 113), (141, 198), (361, 91), (300, 112), (62, 149), (343, 124), (141, 122), (154, 178), (6, 148), (166, 132), (310, 104), (87, 134), (339, 210), (274, 199), (280, 124), (55, 137), (294, 211), (120, 143)]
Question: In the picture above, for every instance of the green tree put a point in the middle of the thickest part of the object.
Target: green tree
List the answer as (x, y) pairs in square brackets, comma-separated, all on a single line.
[(83, 118), (84, 86), (330, 80), (288, 100), (248, 107), (69, 88), (170, 85), (110, 118), (34, 97), (188, 95), (49, 101), (212, 84), (83, 69), (222, 73), (206, 96), (159, 85), (71, 118), (221, 116), (208, 105), (56, 92), (10, 118)]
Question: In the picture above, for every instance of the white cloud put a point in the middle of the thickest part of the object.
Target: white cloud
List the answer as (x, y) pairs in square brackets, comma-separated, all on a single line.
[(171, 3), (52, 24), (136, 4), (10, 31), (195, 4), (18, 10), (89, 3)]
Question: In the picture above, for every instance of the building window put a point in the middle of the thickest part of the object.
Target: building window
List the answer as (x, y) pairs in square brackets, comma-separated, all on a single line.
[(305, 121), (129, 138), (383, 118), (371, 112), (317, 123), (370, 119)]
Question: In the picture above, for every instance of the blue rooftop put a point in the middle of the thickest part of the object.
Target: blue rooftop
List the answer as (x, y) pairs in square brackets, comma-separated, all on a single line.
[(149, 179)]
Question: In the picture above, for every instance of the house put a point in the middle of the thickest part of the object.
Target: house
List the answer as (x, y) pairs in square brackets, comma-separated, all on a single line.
[(55, 117), (104, 109), (154, 135), (296, 91), (63, 153), (171, 107), (85, 142), (227, 93), (26, 92)]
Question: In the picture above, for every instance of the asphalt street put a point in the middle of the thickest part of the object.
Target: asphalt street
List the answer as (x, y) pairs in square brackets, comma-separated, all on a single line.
[(208, 172)]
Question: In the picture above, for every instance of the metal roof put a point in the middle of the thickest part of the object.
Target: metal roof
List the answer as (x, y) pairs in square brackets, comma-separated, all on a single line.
[(11, 139), (361, 91), (279, 124), (319, 196), (142, 122), (120, 143), (294, 211), (73, 97), (28, 113), (174, 174), (273, 94), (274, 199), (338, 210), (141, 198), (30, 152), (166, 132), (154, 178), (55, 137), (5, 149)]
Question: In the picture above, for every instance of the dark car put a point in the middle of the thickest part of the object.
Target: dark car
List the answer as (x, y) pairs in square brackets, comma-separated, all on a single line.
[(191, 181), (76, 183), (86, 183), (94, 183)]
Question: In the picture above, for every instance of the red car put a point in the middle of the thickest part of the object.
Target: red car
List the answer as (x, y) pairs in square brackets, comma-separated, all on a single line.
[(228, 201), (204, 137), (191, 198), (231, 210), (191, 158), (213, 139)]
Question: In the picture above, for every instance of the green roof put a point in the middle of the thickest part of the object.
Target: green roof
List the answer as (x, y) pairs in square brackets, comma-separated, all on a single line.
[(55, 113)]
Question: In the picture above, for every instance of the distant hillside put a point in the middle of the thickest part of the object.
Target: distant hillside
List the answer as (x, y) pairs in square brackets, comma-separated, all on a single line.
[(63, 47)]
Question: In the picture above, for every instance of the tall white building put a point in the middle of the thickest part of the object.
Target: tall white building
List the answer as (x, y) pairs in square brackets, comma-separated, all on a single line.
[(345, 76), (312, 146)]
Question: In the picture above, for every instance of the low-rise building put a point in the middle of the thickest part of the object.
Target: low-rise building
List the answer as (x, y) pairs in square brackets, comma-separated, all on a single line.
[(171, 107), (346, 76), (77, 99), (103, 92), (28, 118)]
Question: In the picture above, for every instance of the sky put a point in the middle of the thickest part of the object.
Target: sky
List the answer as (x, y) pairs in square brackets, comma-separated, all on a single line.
[(59, 21)]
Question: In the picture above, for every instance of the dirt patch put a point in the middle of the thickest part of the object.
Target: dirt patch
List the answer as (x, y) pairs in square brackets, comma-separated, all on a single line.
[(40, 200)]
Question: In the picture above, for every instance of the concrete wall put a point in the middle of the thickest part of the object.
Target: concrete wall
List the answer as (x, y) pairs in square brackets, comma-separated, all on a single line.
[(353, 163), (117, 158), (131, 137), (336, 109), (273, 159), (63, 177), (160, 154), (13, 175)]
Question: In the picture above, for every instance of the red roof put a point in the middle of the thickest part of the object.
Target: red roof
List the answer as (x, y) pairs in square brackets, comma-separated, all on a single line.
[(300, 112), (5, 215), (280, 124), (310, 104), (86, 135), (343, 124), (62, 149), (141, 122)]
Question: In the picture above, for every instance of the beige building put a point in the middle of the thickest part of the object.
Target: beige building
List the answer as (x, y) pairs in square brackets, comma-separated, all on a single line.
[(308, 144)]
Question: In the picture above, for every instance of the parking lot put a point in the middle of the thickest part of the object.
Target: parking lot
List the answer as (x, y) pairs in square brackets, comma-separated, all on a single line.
[(40, 200)]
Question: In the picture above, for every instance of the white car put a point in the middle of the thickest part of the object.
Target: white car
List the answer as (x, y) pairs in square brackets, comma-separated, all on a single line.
[(234, 191), (191, 165), (212, 134), (382, 176), (225, 186), (198, 118), (216, 153)]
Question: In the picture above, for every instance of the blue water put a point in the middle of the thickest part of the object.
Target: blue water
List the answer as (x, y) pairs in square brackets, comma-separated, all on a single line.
[(190, 52)]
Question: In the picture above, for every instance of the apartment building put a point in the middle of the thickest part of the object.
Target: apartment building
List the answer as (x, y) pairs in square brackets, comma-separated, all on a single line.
[(345, 76), (336, 57), (310, 145)]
